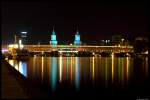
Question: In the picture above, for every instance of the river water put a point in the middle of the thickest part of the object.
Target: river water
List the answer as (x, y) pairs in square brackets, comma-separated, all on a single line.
[(87, 75)]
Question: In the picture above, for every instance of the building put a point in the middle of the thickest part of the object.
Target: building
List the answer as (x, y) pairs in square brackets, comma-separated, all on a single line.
[(53, 41), (77, 39)]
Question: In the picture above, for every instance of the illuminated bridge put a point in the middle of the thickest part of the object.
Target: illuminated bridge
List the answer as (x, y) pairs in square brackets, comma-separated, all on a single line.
[(70, 48), (74, 48)]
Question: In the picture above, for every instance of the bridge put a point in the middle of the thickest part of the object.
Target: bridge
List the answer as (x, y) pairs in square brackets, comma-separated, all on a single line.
[(74, 48), (70, 48)]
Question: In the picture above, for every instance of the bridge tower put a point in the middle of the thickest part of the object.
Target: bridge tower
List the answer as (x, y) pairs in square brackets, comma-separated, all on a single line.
[(77, 39), (53, 41)]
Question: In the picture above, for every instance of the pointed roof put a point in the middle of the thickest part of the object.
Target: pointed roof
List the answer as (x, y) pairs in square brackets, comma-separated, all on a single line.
[(77, 31), (53, 32)]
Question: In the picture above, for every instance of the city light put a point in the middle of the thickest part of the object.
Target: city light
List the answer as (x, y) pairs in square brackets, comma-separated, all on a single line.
[(4, 50), (20, 42), (21, 46), (15, 45), (93, 53), (10, 45), (122, 40), (24, 32), (67, 51), (146, 52), (52, 49)]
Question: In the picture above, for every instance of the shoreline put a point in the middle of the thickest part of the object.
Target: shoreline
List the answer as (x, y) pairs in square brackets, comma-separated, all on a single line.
[(29, 88)]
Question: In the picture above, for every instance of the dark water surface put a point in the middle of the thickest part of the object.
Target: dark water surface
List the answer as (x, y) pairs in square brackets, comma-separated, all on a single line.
[(87, 76)]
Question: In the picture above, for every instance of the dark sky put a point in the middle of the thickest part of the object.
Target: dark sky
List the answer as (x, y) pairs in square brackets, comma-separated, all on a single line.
[(95, 21)]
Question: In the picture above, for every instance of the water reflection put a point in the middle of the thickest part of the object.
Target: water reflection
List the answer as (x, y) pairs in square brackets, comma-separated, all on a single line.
[(112, 67), (23, 68), (53, 73), (60, 69), (146, 67), (42, 68), (93, 70), (19, 66), (77, 73), (106, 71)]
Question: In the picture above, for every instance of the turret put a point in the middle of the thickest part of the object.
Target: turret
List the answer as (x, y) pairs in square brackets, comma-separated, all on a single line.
[(53, 41), (77, 39)]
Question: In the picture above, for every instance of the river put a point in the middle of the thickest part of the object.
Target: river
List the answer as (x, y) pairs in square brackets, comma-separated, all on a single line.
[(86, 75)]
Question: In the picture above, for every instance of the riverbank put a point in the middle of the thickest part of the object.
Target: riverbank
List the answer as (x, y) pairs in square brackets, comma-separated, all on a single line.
[(16, 86), (11, 88)]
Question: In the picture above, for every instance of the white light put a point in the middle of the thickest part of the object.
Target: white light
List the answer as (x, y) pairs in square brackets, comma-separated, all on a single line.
[(122, 39), (15, 45), (93, 53), (10, 45), (106, 41), (112, 54), (24, 32), (146, 52), (70, 44), (20, 42)]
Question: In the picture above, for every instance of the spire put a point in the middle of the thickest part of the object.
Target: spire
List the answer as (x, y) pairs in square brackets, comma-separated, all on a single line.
[(53, 32), (53, 38), (77, 30)]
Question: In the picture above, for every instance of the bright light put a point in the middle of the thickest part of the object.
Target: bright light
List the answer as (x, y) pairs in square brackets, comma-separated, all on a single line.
[(24, 32), (93, 53), (112, 54), (20, 42), (70, 44), (106, 41), (15, 45), (112, 68), (4, 50), (21, 46), (122, 39), (146, 52), (93, 68), (127, 54), (10, 45)]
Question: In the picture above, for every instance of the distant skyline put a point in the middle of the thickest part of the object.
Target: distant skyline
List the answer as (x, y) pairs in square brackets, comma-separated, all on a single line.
[(95, 21)]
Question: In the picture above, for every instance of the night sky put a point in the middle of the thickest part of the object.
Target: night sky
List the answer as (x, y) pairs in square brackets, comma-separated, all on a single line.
[(95, 21)]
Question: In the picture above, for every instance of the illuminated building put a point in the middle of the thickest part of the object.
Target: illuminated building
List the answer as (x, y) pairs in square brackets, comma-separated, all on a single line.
[(77, 39), (53, 39)]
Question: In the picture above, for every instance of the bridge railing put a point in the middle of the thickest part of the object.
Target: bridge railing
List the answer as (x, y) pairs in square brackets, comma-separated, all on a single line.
[(74, 46)]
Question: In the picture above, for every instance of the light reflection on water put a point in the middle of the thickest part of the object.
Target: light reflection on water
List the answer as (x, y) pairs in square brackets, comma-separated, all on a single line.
[(19, 66), (53, 73), (77, 73), (76, 70)]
